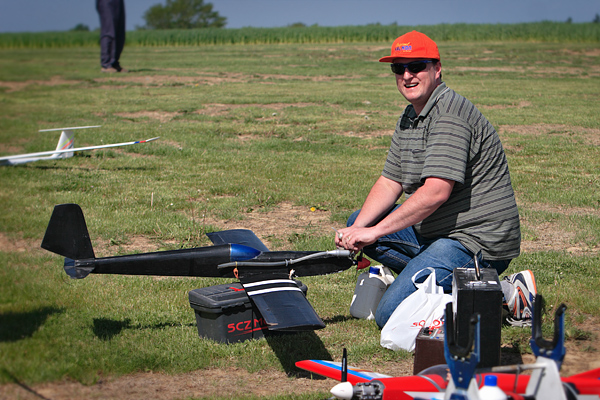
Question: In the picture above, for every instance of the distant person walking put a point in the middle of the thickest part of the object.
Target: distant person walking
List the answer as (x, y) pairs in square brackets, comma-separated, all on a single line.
[(112, 34)]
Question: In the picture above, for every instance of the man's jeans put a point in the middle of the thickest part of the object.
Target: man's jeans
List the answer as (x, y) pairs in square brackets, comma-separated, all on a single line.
[(407, 253)]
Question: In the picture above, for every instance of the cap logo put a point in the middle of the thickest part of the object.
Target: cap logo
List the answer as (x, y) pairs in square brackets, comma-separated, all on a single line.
[(403, 47)]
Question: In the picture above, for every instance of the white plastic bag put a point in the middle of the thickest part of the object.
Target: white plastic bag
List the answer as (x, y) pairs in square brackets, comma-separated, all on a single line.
[(425, 307)]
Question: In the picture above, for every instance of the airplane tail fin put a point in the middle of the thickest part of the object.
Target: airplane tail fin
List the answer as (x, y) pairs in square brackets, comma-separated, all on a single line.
[(65, 142), (67, 233)]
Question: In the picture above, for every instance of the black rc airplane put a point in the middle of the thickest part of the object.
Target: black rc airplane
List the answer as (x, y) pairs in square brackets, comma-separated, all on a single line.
[(265, 275)]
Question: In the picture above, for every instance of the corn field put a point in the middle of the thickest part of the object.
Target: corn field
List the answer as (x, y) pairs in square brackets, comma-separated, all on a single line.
[(556, 32)]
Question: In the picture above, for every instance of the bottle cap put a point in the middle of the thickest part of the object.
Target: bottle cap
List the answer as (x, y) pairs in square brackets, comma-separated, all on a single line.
[(374, 270), (490, 380)]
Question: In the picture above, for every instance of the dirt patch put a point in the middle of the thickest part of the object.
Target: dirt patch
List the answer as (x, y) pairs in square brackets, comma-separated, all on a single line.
[(207, 78), (198, 79), (54, 81), (279, 223), (588, 135), (365, 135), (521, 104), (133, 244), (550, 236), (565, 210), (537, 70), (11, 245), (11, 148), (161, 116), (198, 384), (217, 109), (173, 80)]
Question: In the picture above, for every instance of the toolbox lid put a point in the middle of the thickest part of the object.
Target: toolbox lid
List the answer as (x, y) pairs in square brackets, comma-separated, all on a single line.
[(216, 299), (466, 279)]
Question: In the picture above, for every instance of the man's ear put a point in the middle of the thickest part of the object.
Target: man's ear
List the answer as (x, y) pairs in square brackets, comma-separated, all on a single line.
[(438, 70)]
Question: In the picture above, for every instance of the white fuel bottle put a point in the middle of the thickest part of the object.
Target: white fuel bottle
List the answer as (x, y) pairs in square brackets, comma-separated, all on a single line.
[(490, 389), (369, 289)]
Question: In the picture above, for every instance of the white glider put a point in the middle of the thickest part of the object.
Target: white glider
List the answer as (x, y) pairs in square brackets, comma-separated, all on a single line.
[(64, 149)]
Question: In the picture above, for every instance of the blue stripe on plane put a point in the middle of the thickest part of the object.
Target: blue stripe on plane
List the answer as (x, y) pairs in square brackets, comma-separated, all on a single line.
[(350, 370)]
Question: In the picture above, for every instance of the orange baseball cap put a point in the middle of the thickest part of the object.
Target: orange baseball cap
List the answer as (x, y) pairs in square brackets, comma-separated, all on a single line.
[(413, 45)]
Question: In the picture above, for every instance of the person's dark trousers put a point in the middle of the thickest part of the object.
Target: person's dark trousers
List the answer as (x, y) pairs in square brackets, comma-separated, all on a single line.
[(112, 32)]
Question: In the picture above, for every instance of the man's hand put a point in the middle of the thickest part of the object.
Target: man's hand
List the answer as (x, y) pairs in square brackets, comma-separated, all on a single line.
[(355, 239)]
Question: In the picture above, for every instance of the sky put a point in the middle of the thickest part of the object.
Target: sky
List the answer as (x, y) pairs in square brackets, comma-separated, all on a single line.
[(60, 15)]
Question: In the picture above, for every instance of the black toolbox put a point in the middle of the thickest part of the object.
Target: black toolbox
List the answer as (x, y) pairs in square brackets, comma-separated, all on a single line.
[(483, 295), (225, 314)]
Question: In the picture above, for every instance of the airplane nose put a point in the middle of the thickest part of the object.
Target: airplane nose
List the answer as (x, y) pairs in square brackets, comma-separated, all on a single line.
[(240, 252), (343, 391)]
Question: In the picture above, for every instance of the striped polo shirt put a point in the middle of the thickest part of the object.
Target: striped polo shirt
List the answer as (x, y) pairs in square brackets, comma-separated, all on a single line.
[(451, 139)]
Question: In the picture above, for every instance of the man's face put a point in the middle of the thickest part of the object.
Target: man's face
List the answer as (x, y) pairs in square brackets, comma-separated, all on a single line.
[(418, 87)]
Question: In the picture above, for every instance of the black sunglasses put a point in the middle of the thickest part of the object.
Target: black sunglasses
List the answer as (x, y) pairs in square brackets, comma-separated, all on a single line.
[(414, 67)]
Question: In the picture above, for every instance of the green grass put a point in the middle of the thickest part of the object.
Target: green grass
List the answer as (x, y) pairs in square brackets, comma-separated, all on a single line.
[(545, 31), (245, 128)]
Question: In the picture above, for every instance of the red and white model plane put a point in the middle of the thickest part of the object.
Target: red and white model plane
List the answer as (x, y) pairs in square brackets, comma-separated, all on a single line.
[(461, 381)]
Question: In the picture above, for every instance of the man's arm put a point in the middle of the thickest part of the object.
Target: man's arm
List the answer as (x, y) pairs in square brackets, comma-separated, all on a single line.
[(382, 197), (427, 199), (380, 200)]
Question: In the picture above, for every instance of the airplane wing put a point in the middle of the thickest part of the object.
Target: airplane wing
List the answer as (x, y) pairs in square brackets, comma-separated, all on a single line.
[(333, 370), (38, 156), (69, 129), (280, 301), (237, 236)]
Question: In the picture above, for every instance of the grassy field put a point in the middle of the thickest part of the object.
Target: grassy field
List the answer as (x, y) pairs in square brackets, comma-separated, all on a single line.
[(545, 31), (246, 132)]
